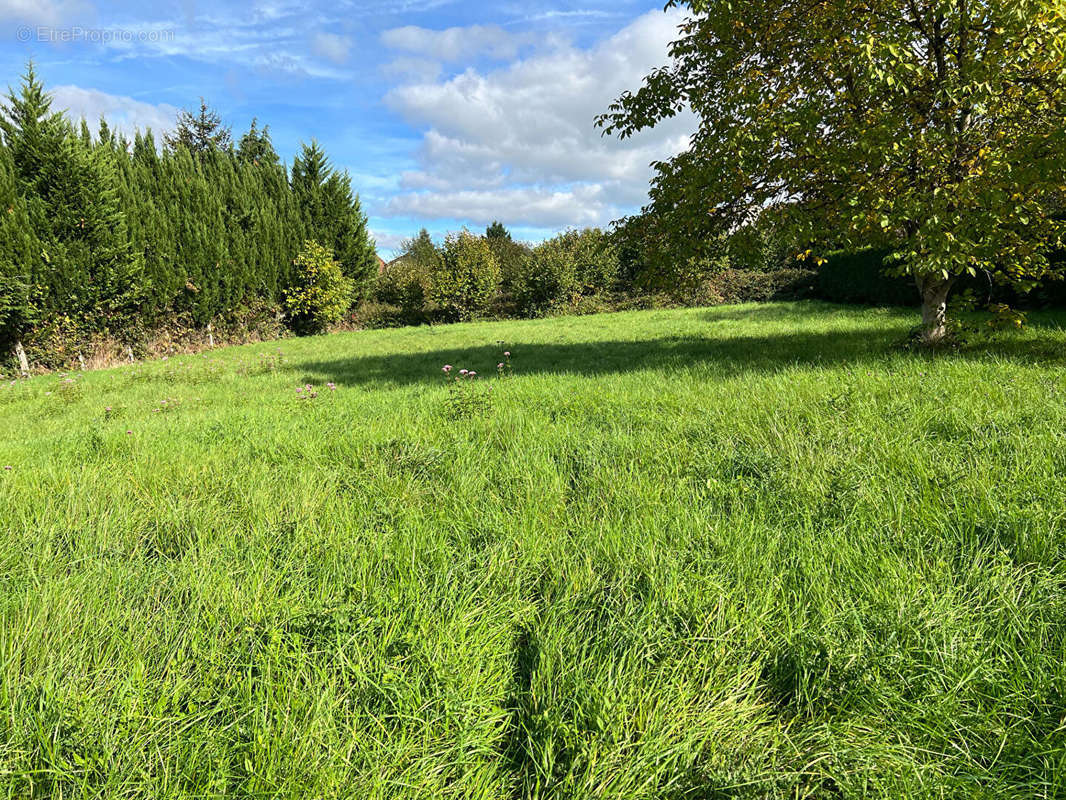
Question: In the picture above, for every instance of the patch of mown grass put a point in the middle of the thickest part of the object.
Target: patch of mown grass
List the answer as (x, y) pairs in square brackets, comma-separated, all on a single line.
[(740, 552)]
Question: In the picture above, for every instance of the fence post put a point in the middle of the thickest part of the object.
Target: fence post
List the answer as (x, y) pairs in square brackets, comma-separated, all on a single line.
[(24, 364)]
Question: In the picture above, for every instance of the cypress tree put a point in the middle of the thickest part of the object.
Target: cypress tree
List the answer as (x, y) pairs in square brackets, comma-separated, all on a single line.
[(334, 215)]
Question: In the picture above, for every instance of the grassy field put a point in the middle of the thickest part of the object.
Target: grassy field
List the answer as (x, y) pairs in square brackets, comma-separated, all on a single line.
[(738, 552)]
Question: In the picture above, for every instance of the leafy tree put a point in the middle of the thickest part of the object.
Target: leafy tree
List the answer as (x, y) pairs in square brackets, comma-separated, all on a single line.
[(571, 265), (320, 293), (466, 278), (933, 127), (199, 133)]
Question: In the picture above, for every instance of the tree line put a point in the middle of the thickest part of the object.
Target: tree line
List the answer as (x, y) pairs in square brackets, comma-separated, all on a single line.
[(101, 235)]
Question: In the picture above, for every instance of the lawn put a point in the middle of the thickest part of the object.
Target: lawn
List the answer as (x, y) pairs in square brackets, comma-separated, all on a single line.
[(755, 551)]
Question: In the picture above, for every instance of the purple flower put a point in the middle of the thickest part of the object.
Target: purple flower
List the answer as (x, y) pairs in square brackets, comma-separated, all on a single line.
[(108, 409), (129, 433), (8, 467), (331, 386), (500, 365), (471, 375), (464, 372), (299, 391), (507, 354), (447, 369)]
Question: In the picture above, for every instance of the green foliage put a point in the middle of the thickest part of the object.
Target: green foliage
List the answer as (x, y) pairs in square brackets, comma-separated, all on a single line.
[(497, 230), (933, 129), (466, 278), (573, 264), (111, 237), (320, 292), (732, 286), (200, 133), (334, 216)]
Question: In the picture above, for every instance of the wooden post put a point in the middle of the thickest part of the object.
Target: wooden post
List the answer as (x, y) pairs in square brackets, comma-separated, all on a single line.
[(81, 360), (129, 353), (210, 336), (24, 364)]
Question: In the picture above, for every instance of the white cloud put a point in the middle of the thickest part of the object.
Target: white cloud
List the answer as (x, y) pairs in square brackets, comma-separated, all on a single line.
[(331, 46), (122, 113), (579, 206), (456, 44), (43, 12), (519, 143)]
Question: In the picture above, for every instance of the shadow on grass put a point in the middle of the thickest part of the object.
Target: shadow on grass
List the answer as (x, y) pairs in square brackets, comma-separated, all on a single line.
[(728, 355)]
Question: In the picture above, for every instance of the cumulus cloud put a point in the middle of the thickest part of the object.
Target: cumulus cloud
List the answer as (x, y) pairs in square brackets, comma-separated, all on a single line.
[(519, 141), (456, 44), (122, 113), (331, 46)]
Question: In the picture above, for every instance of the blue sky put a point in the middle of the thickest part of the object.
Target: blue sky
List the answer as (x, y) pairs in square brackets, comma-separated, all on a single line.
[(446, 114)]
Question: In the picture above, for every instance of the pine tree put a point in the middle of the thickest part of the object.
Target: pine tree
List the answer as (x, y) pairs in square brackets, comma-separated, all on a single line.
[(199, 133), (497, 231)]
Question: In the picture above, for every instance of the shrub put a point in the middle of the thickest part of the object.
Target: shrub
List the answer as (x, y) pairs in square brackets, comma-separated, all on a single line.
[(405, 284), (320, 294), (560, 271), (466, 277), (513, 258), (755, 286)]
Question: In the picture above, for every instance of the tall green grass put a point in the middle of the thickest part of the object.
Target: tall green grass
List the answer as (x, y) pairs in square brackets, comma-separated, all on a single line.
[(742, 552)]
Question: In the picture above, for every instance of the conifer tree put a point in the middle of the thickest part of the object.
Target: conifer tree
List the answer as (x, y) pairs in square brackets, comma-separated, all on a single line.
[(199, 133), (334, 215)]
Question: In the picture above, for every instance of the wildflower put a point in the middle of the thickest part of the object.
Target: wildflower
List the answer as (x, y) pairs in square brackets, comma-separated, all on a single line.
[(299, 391), (507, 354), (8, 467), (331, 386), (447, 369), (463, 372), (129, 433), (500, 365), (471, 374)]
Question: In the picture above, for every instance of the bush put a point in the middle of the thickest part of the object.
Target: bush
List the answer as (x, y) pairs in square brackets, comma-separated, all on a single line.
[(320, 294), (562, 270), (755, 286), (466, 278), (405, 284), (513, 258)]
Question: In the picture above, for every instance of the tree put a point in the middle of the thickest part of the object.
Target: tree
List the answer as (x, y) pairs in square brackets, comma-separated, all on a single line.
[(466, 277), (933, 127), (334, 215), (69, 190), (199, 133), (497, 231), (255, 146), (320, 293)]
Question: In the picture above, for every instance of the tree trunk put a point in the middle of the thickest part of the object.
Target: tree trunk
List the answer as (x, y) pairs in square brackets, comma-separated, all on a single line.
[(934, 290), (24, 364)]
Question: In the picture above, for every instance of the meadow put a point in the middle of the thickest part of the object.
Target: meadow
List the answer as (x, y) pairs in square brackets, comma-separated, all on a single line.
[(741, 552)]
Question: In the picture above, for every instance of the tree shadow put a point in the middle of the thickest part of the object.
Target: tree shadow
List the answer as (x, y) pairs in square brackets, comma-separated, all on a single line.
[(726, 355)]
